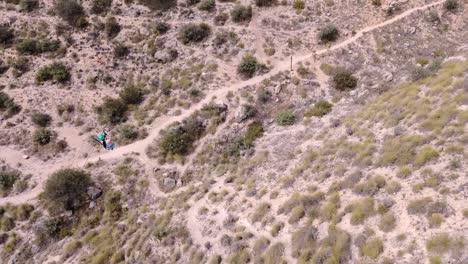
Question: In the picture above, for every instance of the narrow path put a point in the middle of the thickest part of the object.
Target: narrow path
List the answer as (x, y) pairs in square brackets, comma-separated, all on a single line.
[(139, 147)]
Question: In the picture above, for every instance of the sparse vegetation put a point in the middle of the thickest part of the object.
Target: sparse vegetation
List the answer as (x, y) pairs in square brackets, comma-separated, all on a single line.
[(72, 12), (42, 136), (344, 81), (113, 111), (285, 118), (248, 66), (328, 33), (451, 5), (193, 33), (207, 5), (372, 248), (320, 109), (56, 71), (7, 106), (241, 13), (41, 119)]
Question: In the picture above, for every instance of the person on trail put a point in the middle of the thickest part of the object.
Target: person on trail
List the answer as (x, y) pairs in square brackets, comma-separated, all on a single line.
[(108, 141), (102, 140)]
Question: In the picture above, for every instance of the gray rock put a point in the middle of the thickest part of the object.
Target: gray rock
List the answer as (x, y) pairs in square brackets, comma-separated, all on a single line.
[(169, 183), (245, 112), (92, 205), (94, 193), (68, 213), (388, 76)]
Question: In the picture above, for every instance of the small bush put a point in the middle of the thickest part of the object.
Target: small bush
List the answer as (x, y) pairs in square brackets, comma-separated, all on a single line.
[(162, 27), (419, 206), (328, 33), (7, 106), (41, 119), (162, 5), (34, 47), (100, 6), (419, 73), (344, 80), (361, 210), (194, 33), (426, 154), (296, 214), (121, 51), (451, 5), (53, 227), (372, 248), (241, 13), (29, 5), (207, 5), (248, 66), (131, 94), (254, 131), (72, 12), (42, 136), (387, 222), (67, 188), (436, 220), (112, 28), (371, 187), (320, 109), (260, 212), (6, 35), (263, 3), (113, 111), (192, 2), (128, 133), (439, 243), (403, 172), (56, 71), (298, 4), (285, 118), (7, 180)]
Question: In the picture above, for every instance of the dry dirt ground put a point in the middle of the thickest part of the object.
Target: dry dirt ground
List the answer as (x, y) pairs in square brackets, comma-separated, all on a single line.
[(379, 179)]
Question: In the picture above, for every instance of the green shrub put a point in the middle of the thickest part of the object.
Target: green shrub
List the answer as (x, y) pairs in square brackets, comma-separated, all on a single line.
[(71, 247), (131, 94), (260, 212), (419, 73), (162, 5), (194, 32), (419, 206), (241, 13), (298, 4), (371, 187), (7, 180), (72, 12), (121, 51), (372, 248), (179, 140), (426, 154), (7, 106), (29, 5), (192, 2), (56, 71), (285, 118), (439, 243), (328, 33), (207, 5), (274, 254), (34, 47), (113, 205), (262, 3), (361, 210), (344, 80), (436, 220), (387, 222), (100, 6), (403, 172), (162, 27), (112, 28), (42, 136), (53, 227), (128, 133), (296, 214), (320, 109), (41, 119), (28, 46), (113, 111), (67, 188), (248, 66), (6, 35), (451, 5), (254, 131)]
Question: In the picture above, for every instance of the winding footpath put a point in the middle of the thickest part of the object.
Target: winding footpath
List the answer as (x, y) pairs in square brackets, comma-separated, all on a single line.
[(41, 170)]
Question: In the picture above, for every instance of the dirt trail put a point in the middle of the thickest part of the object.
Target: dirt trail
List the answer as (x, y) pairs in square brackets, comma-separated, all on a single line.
[(44, 169)]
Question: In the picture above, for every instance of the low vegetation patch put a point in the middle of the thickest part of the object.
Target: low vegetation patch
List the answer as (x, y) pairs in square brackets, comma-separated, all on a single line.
[(56, 71), (320, 109), (8, 107), (193, 33), (328, 33), (344, 80)]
